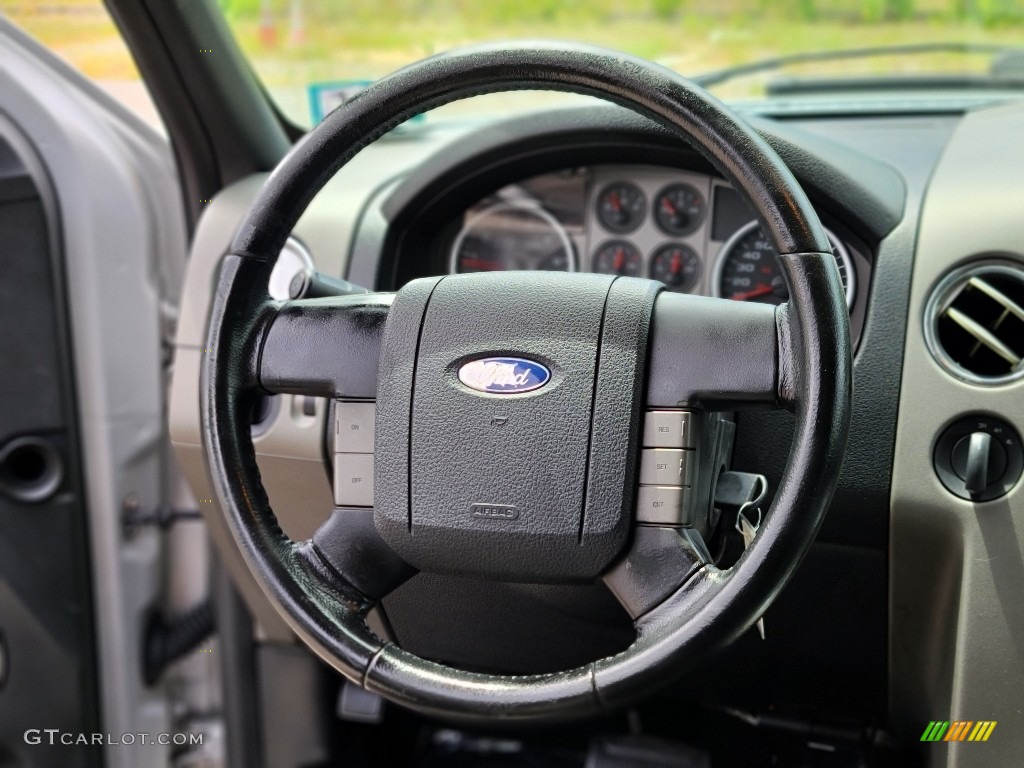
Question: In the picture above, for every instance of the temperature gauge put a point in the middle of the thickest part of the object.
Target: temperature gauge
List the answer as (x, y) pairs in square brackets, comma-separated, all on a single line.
[(679, 209), (621, 207), (677, 266), (618, 258)]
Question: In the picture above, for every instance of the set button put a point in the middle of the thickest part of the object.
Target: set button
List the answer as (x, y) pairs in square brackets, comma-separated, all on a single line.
[(666, 466)]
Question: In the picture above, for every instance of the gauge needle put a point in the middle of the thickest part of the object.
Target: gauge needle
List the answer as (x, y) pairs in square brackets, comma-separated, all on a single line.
[(620, 258), (667, 205), (480, 264), (761, 290)]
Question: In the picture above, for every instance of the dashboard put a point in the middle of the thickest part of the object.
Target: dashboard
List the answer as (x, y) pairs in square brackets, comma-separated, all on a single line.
[(691, 231), (900, 564)]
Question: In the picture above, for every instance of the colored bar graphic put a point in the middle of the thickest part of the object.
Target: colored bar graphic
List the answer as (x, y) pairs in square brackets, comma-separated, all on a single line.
[(982, 730), (958, 730), (935, 731)]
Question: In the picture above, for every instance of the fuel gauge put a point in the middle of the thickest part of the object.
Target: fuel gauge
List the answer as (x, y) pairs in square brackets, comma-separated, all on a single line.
[(677, 266), (618, 257)]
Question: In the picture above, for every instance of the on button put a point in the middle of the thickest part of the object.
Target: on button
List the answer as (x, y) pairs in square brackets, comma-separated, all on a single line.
[(353, 427)]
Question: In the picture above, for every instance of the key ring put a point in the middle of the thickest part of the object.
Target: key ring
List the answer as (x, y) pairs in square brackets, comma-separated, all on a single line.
[(756, 503)]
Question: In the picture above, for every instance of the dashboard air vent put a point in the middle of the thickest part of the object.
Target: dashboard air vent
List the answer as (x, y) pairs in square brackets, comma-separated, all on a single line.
[(974, 322)]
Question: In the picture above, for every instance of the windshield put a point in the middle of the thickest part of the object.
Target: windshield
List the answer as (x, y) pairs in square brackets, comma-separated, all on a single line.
[(312, 54)]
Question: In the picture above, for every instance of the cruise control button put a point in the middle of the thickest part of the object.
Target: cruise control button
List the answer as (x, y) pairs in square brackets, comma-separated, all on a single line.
[(353, 479), (353, 427), (665, 466), (664, 505), (668, 429)]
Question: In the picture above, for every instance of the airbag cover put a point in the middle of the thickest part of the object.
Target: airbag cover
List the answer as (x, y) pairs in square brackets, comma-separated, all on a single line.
[(497, 481)]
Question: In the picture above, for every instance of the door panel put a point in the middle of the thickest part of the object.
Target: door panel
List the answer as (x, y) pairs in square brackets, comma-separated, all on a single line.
[(45, 601), (92, 248)]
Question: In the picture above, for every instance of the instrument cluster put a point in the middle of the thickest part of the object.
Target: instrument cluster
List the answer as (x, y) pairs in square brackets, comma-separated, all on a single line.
[(691, 231)]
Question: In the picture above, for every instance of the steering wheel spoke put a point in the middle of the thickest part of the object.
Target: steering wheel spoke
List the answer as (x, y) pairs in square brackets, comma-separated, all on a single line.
[(715, 354), (660, 560), (348, 543), (325, 347)]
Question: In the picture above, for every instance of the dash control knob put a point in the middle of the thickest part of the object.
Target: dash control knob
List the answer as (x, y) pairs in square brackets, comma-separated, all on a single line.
[(979, 458)]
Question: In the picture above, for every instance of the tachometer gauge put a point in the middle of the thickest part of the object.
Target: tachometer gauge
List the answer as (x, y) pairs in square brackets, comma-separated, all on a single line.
[(509, 236), (618, 257), (679, 209), (748, 268), (621, 207), (676, 265)]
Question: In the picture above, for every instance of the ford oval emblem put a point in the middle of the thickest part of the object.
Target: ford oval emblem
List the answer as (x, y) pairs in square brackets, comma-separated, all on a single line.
[(504, 375)]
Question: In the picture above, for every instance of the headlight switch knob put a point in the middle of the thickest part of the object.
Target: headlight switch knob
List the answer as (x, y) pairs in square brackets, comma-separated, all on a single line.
[(979, 458)]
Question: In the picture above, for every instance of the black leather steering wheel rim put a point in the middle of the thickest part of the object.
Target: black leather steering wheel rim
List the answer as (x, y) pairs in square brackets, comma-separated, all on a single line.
[(712, 606)]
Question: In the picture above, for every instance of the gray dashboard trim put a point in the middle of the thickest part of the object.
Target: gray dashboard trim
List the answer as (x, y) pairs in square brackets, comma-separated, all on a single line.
[(956, 567)]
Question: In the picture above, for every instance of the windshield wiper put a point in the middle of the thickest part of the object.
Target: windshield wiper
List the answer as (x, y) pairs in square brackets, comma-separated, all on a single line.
[(1011, 70)]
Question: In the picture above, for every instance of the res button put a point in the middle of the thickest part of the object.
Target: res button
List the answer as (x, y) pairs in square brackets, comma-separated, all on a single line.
[(668, 429)]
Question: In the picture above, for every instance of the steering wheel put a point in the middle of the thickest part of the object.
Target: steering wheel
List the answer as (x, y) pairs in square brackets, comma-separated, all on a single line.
[(525, 473)]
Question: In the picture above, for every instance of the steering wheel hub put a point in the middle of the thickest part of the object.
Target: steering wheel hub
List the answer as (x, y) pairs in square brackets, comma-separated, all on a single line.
[(558, 461)]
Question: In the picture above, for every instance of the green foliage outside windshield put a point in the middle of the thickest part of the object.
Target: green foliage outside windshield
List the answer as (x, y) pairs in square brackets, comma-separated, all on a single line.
[(293, 43)]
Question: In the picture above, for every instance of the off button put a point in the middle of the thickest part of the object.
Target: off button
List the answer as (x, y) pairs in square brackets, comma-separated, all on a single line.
[(353, 479)]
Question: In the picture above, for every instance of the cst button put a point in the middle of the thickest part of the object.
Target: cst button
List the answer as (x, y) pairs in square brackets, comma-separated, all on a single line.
[(353, 479), (663, 505)]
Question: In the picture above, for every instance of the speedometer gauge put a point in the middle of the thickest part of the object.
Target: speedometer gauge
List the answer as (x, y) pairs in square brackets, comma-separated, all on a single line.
[(748, 268), (509, 236)]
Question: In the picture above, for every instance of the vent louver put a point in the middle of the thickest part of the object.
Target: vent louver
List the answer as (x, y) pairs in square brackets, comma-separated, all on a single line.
[(975, 322)]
